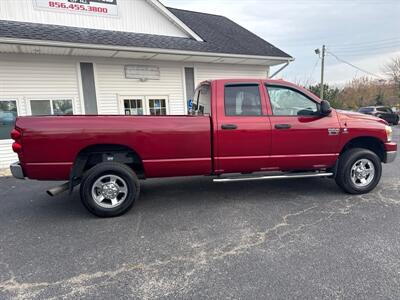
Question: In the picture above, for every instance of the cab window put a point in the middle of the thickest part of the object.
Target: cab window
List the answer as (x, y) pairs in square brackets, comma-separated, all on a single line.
[(242, 100), (288, 102)]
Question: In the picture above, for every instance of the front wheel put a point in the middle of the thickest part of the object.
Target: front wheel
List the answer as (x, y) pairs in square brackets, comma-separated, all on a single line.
[(109, 189), (359, 171)]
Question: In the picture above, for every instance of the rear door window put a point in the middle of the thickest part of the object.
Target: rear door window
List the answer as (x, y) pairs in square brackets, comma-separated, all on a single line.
[(242, 100)]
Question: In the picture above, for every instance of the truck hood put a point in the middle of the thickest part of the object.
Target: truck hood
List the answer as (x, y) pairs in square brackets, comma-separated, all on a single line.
[(345, 114)]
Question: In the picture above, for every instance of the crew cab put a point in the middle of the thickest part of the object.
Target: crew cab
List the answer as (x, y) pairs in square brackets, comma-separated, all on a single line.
[(242, 129)]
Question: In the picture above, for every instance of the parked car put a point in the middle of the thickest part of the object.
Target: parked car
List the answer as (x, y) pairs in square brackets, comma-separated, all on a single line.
[(382, 112), (240, 130)]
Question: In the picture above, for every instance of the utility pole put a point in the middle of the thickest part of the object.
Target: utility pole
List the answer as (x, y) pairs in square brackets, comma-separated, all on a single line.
[(322, 72), (322, 56)]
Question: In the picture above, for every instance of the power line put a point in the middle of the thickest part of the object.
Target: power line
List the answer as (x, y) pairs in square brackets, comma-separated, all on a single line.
[(363, 54), (372, 50), (352, 65), (312, 73), (305, 42), (372, 47), (368, 52), (374, 53), (366, 43), (367, 48)]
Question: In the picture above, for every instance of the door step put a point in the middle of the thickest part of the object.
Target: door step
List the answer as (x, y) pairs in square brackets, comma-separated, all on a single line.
[(271, 177)]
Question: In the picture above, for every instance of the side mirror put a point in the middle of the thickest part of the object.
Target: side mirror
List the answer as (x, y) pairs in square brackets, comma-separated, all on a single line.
[(325, 108)]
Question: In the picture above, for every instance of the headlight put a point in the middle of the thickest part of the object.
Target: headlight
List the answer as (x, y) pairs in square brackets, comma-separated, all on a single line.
[(389, 133)]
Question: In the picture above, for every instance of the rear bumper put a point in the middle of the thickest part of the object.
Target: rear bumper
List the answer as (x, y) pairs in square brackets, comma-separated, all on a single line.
[(16, 170), (390, 152)]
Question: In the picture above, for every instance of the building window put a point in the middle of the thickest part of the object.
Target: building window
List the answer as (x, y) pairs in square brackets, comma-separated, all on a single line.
[(51, 107), (8, 114), (189, 87), (133, 107), (137, 105), (157, 107)]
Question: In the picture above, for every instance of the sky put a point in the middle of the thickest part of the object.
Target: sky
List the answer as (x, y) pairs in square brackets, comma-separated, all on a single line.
[(365, 33)]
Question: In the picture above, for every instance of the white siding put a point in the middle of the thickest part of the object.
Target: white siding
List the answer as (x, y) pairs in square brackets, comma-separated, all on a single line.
[(111, 83), (7, 156), (38, 77), (223, 71), (134, 16), (35, 77)]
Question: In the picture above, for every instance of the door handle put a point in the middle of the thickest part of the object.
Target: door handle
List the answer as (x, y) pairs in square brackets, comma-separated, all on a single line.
[(283, 126), (229, 126)]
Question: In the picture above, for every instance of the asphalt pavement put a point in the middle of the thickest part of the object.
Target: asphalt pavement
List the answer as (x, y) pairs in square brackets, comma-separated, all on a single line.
[(192, 238)]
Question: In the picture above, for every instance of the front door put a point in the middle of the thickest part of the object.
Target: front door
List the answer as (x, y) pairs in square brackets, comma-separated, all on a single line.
[(243, 129), (301, 137)]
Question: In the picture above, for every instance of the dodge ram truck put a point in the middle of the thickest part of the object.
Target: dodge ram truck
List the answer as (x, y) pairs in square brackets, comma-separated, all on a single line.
[(242, 129)]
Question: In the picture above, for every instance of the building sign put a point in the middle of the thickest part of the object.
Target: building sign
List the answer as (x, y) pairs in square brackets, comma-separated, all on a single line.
[(142, 72), (92, 7)]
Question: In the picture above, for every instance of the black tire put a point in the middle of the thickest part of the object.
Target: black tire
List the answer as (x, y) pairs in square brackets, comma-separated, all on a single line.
[(347, 160), (129, 180)]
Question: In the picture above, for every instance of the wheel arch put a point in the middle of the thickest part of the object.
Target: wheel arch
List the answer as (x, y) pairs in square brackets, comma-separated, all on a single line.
[(366, 142), (94, 154)]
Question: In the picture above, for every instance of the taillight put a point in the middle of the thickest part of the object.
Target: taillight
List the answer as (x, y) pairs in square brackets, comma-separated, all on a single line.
[(15, 134), (17, 148)]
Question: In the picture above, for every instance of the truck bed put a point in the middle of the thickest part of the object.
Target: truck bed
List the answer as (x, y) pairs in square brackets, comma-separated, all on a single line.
[(167, 145)]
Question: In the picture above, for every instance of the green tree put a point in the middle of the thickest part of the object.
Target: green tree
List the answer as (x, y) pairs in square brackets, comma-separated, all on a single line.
[(330, 93)]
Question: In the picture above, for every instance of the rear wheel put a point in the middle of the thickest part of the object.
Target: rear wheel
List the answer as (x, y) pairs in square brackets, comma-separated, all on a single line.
[(359, 171), (109, 189)]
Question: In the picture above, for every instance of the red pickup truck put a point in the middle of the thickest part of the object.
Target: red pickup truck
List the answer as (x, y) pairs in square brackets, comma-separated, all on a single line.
[(239, 130)]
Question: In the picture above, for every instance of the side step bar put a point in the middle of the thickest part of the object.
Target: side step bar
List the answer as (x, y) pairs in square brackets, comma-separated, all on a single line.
[(270, 177)]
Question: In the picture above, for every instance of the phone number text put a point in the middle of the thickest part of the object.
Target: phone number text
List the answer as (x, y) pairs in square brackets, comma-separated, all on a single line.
[(78, 7)]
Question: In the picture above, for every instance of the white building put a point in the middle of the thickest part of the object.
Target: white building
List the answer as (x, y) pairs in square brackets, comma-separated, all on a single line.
[(115, 57)]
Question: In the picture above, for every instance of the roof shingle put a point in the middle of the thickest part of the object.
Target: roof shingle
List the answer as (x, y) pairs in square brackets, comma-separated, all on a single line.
[(220, 35), (225, 33)]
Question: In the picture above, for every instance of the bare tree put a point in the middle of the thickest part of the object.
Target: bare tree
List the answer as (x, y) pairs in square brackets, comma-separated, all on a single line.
[(392, 69)]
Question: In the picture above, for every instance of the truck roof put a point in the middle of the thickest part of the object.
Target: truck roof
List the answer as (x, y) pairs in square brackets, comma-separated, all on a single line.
[(264, 80)]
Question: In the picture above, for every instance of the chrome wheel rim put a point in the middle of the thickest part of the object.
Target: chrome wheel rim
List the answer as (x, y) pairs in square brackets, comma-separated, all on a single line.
[(362, 172), (109, 191)]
